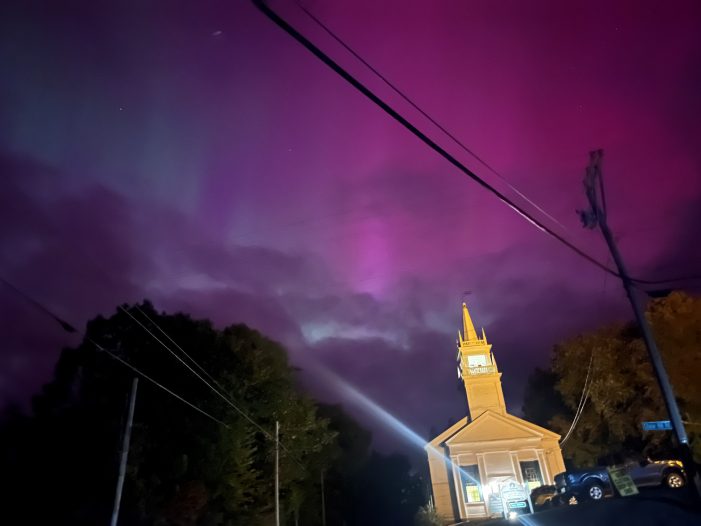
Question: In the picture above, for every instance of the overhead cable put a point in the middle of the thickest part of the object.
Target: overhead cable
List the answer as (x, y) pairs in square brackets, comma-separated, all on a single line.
[(194, 362), (263, 7), (582, 400), (156, 383), (216, 391), (71, 329), (678, 279), (426, 115), (283, 24), (221, 392)]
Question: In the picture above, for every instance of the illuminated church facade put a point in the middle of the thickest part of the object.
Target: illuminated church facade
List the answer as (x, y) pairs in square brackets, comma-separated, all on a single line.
[(473, 458)]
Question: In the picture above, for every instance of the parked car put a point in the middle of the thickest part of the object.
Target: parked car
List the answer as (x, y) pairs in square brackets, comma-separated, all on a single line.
[(543, 497), (594, 483)]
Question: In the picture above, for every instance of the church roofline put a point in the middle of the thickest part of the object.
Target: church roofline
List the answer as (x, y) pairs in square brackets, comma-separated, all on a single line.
[(445, 435), (510, 419)]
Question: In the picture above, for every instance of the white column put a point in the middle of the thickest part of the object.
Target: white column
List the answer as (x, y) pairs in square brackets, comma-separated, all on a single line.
[(544, 468), (482, 468), (484, 479), (458, 487), (516, 467)]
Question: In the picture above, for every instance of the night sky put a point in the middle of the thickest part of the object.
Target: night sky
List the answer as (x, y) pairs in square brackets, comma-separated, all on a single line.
[(192, 153)]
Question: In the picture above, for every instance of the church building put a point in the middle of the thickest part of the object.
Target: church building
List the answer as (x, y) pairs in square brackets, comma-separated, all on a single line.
[(471, 460)]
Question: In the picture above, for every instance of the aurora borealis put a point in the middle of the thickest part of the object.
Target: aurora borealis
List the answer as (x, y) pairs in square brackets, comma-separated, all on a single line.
[(193, 154)]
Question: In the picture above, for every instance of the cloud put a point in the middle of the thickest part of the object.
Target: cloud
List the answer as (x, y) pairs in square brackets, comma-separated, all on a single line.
[(238, 179)]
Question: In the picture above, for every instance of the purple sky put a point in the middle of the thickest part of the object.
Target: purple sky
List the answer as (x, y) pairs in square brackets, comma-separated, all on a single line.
[(198, 156)]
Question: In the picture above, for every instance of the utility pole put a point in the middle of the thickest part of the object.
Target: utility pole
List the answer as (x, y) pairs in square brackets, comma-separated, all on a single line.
[(277, 473), (596, 216), (323, 501), (125, 453)]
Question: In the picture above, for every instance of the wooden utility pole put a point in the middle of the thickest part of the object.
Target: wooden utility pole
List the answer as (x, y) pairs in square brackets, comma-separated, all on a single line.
[(125, 453), (277, 473), (323, 501), (596, 216)]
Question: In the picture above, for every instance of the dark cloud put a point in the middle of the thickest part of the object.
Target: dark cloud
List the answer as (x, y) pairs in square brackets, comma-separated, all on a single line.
[(55, 247), (236, 178)]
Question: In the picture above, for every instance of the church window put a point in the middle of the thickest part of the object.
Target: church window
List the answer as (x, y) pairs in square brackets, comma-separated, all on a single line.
[(530, 470), (472, 487)]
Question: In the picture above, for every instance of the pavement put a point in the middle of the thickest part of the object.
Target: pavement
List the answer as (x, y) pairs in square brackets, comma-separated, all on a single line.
[(651, 507)]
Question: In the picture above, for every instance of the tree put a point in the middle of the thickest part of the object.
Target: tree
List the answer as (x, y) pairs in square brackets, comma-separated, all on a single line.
[(541, 400), (183, 467), (59, 463), (362, 487), (386, 491), (622, 390), (427, 516)]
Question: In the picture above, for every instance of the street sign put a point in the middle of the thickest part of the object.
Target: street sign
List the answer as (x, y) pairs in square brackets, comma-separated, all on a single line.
[(660, 425), (622, 482), (519, 504)]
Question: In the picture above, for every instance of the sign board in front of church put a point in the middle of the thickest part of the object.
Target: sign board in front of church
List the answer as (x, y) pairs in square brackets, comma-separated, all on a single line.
[(514, 496), (623, 482), (513, 491), (495, 504)]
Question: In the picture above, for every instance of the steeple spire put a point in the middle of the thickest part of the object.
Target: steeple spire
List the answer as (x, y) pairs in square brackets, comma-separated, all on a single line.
[(469, 334), (478, 370)]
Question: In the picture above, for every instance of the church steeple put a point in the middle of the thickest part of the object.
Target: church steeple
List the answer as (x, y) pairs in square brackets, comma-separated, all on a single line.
[(468, 329), (478, 370)]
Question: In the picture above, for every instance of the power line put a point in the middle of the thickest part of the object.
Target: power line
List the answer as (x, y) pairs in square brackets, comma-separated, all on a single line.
[(63, 323), (426, 115), (284, 25), (156, 383), (603, 211), (221, 392), (582, 400), (691, 277), (202, 369), (216, 391), (272, 15), (575, 421), (71, 329)]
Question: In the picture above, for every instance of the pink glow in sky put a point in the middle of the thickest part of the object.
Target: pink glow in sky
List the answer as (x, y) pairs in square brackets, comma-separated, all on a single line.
[(196, 155)]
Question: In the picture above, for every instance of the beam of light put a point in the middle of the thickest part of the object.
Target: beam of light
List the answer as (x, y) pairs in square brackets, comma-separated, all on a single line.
[(352, 394), (528, 520), (387, 419)]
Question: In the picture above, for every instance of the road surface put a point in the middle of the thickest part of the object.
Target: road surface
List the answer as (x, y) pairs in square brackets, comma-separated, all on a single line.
[(651, 507)]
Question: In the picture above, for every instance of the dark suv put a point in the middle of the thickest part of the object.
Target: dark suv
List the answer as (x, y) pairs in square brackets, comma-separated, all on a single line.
[(594, 483)]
